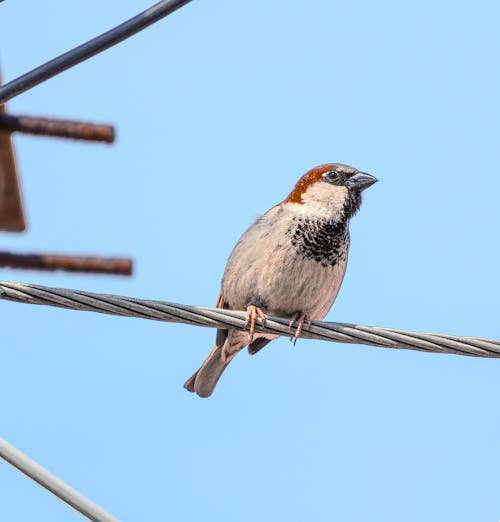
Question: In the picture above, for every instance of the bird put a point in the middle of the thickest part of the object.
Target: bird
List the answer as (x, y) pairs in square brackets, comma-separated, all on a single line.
[(289, 263)]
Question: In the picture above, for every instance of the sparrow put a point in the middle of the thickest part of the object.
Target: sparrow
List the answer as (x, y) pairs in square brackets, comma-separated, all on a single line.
[(289, 263)]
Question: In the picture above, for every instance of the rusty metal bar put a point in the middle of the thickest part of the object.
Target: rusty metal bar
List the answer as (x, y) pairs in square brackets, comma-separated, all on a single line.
[(73, 129), (90, 264), (90, 48), (11, 206)]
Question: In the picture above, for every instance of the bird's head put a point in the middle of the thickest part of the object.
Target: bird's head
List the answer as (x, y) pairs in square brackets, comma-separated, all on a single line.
[(331, 190)]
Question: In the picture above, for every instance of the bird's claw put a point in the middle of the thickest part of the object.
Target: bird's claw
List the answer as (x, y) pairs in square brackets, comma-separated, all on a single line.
[(300, 318), (253, 313)]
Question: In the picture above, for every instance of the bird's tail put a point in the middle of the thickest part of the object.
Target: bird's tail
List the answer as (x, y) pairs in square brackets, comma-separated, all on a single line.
[(204, 380)]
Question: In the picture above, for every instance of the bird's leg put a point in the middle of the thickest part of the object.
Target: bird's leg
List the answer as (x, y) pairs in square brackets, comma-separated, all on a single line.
[(253, 312), (300, 318)]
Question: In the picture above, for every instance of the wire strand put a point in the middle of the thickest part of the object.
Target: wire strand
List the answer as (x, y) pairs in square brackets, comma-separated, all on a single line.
[(53, 484), (90, 48), (219, 318)]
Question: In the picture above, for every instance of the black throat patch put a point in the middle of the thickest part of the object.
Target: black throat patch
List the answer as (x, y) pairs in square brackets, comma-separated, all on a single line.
[(324, 241)]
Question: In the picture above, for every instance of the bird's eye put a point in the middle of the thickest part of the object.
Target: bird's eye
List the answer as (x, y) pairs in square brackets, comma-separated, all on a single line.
[(332, 176)]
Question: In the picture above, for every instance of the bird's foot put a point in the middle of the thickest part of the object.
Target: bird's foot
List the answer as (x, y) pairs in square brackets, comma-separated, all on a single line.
[(300, 318), (253, 313)]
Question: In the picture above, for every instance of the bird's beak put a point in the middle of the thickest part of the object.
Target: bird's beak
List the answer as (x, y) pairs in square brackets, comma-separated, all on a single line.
[(361, 181)]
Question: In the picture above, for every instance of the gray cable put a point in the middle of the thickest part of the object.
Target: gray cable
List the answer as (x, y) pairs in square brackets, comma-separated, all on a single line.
[(88, 49), (50, 482), (218, 318)]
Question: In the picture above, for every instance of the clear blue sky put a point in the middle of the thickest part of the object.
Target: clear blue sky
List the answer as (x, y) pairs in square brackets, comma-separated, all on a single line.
[(219, 109)]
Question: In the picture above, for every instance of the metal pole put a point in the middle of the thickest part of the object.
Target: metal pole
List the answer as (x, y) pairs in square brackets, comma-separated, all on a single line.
[(53, 484)]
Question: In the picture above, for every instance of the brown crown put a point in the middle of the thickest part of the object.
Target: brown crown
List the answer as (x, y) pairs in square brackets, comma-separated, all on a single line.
[(307, 180)]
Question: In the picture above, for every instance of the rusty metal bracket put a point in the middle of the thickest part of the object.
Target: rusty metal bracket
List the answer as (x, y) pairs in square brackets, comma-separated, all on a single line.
[(72, 129), (11, 206), (12, 217), (53, 262)]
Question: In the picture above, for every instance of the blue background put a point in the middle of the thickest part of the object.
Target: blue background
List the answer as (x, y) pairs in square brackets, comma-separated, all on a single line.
[(219, 110)]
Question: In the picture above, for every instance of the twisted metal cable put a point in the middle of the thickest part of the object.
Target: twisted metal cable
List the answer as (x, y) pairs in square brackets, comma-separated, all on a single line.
[(218, 318)]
